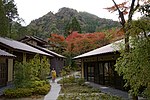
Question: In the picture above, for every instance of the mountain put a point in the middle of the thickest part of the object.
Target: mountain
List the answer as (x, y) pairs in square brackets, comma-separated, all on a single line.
[(56, 23)]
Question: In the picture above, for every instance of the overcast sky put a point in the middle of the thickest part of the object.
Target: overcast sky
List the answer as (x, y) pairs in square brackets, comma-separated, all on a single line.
[(33, 9)]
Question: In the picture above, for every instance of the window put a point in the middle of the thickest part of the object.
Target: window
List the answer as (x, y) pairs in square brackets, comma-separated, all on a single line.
[(91, 72)]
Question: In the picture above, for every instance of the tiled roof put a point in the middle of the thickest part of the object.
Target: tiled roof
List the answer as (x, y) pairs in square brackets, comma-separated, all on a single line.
[(21, 46), (102, 50), (26, 38), (49, 52), (6, 54), (53, 53)]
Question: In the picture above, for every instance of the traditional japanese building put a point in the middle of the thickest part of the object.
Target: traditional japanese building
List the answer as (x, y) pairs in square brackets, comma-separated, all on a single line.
[(6, 67), (57, 61), (22, 52), (98, 65)]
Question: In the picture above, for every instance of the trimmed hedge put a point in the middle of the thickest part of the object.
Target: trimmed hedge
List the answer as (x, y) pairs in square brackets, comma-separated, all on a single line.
[(18, 93), (41, 90), (26, 92)]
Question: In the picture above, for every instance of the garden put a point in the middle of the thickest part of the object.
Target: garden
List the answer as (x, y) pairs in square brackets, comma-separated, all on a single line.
[(75, 88), (29, 80)]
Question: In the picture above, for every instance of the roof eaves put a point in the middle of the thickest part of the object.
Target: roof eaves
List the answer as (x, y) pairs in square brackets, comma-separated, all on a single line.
[(6, 54), (102, 50)]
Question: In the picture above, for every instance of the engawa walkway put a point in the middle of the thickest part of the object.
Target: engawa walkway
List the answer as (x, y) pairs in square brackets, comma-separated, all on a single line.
[(54, 92)]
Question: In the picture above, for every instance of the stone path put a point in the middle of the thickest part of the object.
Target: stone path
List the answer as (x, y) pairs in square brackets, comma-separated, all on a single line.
[(55, 89), (54, 92)]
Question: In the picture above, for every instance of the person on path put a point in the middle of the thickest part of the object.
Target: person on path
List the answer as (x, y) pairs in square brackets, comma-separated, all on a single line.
[(53, 72)]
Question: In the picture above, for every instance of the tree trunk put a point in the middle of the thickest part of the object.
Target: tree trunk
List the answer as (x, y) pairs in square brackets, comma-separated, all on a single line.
[(127, 42), (134, 97)]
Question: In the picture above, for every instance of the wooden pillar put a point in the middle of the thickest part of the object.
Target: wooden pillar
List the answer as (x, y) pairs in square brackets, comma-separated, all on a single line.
[(82, 69), (10, 70), (24, 57)]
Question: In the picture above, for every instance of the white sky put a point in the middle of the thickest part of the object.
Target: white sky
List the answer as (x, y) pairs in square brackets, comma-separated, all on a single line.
[(33, 9)]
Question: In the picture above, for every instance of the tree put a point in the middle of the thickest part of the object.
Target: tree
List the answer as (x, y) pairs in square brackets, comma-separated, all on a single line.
[(11, 12), (145, 9), (134, 66), (73, 26), (123, 10), (18, 31), (57, 43), (3, 20), (27, 73), (81, 43)]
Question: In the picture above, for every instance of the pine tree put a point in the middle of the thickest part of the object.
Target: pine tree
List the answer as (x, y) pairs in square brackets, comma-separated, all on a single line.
[(73, 26), (3, 21), (11, 13)]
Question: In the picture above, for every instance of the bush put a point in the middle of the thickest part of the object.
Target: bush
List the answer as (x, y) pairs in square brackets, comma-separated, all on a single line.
[(80, 81), (70, 79), (18, 92), (41, 90), (31, 71), (35, 84), (26, 92)]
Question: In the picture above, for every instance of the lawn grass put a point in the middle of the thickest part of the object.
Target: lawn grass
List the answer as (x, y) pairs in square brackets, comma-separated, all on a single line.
[(71, 90)]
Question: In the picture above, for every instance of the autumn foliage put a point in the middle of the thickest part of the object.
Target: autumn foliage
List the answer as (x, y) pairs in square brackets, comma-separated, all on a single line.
[(57, 42), (76, 43)]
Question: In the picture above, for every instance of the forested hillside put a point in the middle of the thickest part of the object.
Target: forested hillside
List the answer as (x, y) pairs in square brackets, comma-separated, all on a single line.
[(57, 23)]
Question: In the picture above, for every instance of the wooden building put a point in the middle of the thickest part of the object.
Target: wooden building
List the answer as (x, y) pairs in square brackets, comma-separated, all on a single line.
[(57, 61), (22, 52), (98, 65), (6, 68)]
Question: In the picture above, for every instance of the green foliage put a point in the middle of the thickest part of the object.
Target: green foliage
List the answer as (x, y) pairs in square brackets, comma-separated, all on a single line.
[(96, 24), (18, 31), (70, 79), (26, 92), (134, 66), (41, 90), (80, 81), (139, 26), (11, 9), (72, 26), (145, 10), (60, 23), (11, 13), (28, 72), (92, 96), (44, 68), (3, 20), (36, 83), (17, 93), (75, 91), (67, 69)]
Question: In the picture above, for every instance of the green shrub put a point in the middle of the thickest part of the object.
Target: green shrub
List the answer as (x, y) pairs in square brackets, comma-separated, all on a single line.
[(70, 79), (18, 93), (38, 83), (41, 90), (80, 81), (28, 72)]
